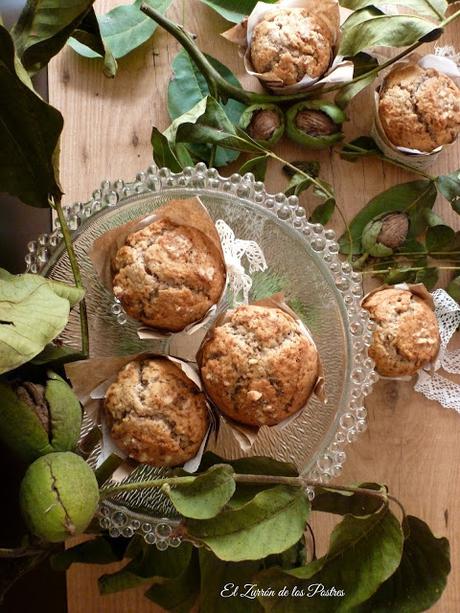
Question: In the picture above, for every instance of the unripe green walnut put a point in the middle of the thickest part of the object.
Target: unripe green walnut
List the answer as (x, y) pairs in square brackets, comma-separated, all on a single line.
[(315, 124), (383, 235), (59, 496), (264, 123), (37, 419)]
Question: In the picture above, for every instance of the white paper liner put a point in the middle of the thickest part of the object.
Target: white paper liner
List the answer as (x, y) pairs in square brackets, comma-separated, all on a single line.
[(328, 11), (83, 377), (433, 385), (245, 435), (416, 158)]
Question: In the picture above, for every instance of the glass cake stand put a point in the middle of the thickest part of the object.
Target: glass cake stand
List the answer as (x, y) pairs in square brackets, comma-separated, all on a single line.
[(303, 255)]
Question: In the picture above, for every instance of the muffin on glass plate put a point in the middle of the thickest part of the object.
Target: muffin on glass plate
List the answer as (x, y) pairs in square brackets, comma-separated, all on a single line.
[(258, 365), (168, 275), (155, 413), (406, 335), (419, 108)]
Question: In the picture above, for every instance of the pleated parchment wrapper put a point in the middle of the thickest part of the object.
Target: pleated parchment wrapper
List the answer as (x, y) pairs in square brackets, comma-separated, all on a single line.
[(418, 289), (247, 435), (327, 11), (184, 212), (90, 381), (414, 157)]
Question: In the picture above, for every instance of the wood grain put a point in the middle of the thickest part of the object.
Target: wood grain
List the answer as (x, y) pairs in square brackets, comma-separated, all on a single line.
[(412, 445)]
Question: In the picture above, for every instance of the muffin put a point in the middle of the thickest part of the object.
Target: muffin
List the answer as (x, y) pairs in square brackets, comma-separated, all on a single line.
[(258, 366), (156, 414), (167, 275), (290, 44), (419, 108), (406, 335)]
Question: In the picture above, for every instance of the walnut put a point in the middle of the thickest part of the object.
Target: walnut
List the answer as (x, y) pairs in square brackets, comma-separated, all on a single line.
[(315, 123), (393, 232), (263, 124)]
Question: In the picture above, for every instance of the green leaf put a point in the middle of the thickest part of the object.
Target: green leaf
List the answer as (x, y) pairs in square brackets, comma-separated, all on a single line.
[(328, 500), (434, 9), (439, 237), (234, 10), (412, 197), (187, 87), (163, 153), (31, 315), (218, 581), (214, 127), (323, 212), (148, 563), (125, 28), (346, 94), (385, 31), (311, 167), (453, 289), (29, 133), (449, 186), (206, 495), (57, 355), (360, 147), (71, 293), (254, 465), (421, 576), (88, 36), (257, 165), (363, 553), (178, 595), (44, 27), (298, 184), (101, 550), (269, 523), (428, 276)]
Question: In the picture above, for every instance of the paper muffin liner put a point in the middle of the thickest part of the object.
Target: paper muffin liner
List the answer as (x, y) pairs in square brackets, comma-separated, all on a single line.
[(185, 212), (90, 381), (419, 290), (246, 435), (416, 158), (327, 11)]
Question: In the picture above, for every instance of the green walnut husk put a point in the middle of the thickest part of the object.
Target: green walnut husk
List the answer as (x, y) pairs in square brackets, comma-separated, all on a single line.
[(264, 123), (39, 419), (59, 496), (384, 234), (316, 124)]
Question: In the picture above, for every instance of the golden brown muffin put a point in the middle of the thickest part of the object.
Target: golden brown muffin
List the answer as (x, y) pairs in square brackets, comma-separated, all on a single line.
[(156, 414), (168, 276), (419, 108), (258, 367), (407, 334), (290, 44)]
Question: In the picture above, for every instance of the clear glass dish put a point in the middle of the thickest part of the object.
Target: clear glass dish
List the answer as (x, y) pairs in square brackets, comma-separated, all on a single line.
[(304, 255)]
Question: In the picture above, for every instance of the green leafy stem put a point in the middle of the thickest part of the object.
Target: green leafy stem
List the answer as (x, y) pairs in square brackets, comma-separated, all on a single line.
[(67, 237), (220, 86)]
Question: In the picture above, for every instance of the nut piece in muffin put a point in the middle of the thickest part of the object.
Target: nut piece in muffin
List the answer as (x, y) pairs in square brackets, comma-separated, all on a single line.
[(290, 44), (419, 108), (406, 335), (258, 366), (168, 275), (156, 414)]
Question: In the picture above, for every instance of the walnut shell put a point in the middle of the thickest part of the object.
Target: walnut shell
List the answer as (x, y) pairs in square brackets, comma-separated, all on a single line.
[(264, 124), (393, 232), (315, 123)]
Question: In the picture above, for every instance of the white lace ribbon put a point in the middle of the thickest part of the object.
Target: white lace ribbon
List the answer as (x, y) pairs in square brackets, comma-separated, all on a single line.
[(234, 250), (432, 385)]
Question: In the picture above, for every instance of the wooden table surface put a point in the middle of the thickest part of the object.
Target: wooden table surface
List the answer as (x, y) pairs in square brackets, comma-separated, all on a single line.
[(412, 444)]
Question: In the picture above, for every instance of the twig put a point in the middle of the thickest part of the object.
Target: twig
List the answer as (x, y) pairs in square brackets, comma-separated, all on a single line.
[(57, 206), (216, 81)]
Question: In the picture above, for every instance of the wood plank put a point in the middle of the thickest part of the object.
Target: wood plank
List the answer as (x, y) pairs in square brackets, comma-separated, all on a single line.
[(412, 444)]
